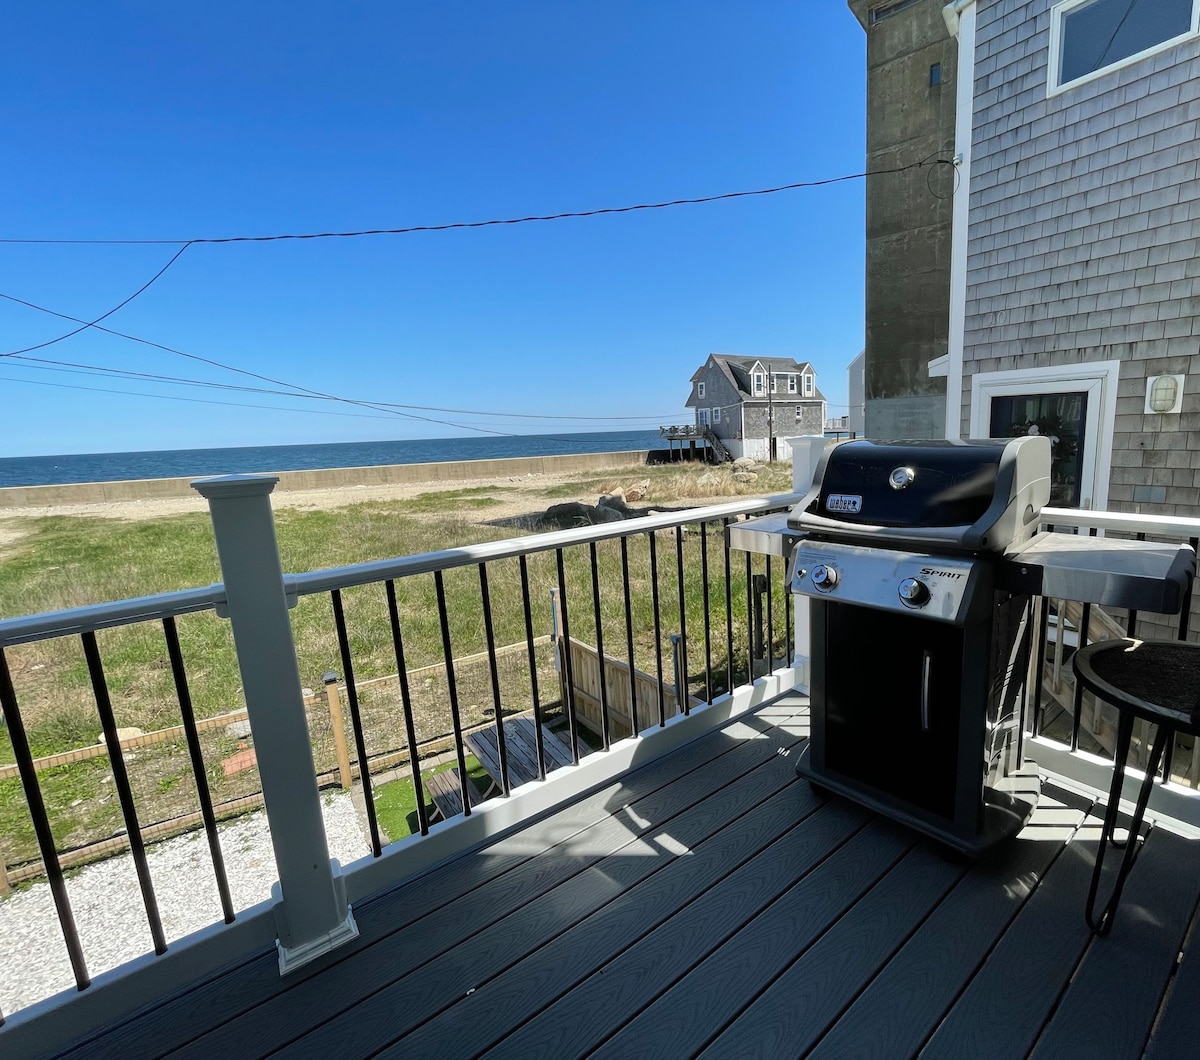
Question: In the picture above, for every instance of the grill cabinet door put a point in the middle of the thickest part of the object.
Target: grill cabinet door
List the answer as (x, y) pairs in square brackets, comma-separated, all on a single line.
[(877, 732)]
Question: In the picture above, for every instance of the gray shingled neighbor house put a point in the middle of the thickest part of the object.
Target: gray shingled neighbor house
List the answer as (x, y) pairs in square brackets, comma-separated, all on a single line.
[(1074, 280), (753, 404)]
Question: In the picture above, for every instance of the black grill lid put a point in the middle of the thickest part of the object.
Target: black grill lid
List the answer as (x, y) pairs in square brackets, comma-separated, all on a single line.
[(967, 494), (939, 483)]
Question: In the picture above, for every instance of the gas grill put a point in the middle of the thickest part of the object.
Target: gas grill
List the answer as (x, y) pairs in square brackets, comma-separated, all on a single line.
[(921, 561), (919, 652)]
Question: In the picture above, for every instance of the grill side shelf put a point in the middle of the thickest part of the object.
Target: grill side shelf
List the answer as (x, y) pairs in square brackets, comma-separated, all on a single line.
[(1142, 575)]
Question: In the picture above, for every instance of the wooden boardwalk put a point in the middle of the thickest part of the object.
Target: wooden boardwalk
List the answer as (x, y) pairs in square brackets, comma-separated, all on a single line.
[(710, 904)]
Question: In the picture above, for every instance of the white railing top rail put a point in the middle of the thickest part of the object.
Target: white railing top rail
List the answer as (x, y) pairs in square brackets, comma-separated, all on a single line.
[(490, 551), (76, 620), (1160, 525)]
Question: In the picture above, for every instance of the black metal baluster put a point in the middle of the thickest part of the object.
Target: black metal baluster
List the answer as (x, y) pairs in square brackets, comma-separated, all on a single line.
[(572, 720), (1185, 612), (360, 741), (789, 649), (1085, 621), (533, 677), (410, 726), (501, 747), (452, 691), (1040, 679), (658, 671), (1132, 615), (634, 723), (41, 825), (728, 611), (183, 694), (684, 693), (605, 738), (116, 761), (749, 620), (770, 621), (1184, 620), (708, 681)]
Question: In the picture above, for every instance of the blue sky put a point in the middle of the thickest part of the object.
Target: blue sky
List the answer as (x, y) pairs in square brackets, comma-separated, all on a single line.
[(170, 121)]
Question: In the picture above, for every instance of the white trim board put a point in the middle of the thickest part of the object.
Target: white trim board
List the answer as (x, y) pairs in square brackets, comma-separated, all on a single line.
[(1097, 378)]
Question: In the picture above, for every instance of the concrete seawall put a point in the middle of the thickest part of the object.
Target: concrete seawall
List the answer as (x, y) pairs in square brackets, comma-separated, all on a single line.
[(326, 478)]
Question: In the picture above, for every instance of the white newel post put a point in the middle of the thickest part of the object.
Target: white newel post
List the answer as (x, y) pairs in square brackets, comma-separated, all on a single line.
[(311, 912)]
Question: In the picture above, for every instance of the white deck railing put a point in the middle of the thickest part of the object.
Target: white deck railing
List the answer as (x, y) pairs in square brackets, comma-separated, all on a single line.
[(312, 908)]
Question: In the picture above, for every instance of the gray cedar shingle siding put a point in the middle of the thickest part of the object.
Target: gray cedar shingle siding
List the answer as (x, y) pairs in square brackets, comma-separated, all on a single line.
[(1084, 218)]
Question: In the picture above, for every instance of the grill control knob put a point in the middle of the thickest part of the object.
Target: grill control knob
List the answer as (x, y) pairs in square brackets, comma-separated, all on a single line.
[(914, 592), (824, 577)]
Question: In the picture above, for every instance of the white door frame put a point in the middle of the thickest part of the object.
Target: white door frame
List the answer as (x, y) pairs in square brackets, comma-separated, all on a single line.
[(1097, 379)]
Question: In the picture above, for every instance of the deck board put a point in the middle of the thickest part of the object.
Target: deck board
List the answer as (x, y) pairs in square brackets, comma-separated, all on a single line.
[(1118, 987), (794, 1011), (903, 1004), (710, 904), (314, 1004)]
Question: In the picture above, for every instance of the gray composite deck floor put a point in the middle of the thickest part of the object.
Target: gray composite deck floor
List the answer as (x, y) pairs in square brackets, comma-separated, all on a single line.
[(710, 904)]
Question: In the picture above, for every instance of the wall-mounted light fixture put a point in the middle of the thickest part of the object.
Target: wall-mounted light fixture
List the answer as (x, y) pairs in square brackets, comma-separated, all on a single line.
[(1164, 393)]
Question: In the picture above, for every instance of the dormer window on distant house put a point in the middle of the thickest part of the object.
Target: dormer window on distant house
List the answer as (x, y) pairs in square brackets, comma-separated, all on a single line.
[(808, 384), (791, 384), (1089, 37), (760, 382), (699, 390)]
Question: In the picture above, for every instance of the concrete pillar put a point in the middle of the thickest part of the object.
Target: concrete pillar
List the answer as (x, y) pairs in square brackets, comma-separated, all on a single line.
[(311, 912)]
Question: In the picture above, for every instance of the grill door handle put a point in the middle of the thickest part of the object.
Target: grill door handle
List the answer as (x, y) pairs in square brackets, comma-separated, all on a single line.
[(926, 663)]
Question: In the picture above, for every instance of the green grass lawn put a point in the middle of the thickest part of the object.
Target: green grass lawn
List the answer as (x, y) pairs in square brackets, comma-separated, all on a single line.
[(396, 801)]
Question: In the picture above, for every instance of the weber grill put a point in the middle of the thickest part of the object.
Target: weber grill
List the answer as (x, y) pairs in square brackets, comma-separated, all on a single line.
[(919, 648), (920, 562)]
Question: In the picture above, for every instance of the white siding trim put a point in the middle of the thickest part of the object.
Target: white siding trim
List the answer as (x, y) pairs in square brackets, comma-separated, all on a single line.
[(959, 232), (1054, 59), (1098, 378)]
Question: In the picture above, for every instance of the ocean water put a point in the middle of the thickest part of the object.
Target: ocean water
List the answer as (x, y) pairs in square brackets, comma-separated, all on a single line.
[(181, 463)]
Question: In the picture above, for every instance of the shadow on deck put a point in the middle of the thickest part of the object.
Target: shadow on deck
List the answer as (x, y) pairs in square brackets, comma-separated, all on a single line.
[(710, 903)]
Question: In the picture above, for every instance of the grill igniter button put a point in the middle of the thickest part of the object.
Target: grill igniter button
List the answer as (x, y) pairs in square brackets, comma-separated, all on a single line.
[(824, 577), (914, 592)]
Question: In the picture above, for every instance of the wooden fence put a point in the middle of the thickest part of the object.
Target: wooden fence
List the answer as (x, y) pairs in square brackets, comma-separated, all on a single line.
[(622, 694)]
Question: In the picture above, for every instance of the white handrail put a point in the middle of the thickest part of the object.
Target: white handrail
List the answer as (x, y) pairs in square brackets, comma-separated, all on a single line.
[(1161, 525)]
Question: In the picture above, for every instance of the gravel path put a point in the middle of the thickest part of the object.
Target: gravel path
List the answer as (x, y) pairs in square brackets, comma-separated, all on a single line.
[(108, 907)]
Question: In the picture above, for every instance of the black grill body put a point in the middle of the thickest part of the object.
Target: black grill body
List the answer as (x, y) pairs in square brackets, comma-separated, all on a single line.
[(919, 657)]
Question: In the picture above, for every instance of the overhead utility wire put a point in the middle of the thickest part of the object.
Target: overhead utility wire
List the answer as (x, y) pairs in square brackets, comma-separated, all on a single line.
[(603, 211), (45, 364), (294, 389), (200, 401), (85, 324)]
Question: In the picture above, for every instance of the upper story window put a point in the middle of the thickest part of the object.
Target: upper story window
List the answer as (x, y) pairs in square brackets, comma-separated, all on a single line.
[(760, 383), (702, 417), (699, 390), (791, 384), (774, 382), (1088, 37), (716, 415), (808, 385)]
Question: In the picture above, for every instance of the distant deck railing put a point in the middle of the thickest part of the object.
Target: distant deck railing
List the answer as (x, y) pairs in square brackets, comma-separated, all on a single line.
[(661, 595)]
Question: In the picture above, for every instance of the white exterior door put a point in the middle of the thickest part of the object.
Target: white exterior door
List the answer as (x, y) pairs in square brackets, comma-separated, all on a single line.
[(1073, 404)]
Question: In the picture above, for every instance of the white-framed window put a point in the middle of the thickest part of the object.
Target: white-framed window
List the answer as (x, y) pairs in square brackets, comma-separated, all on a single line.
[(1083, 451), (799, 413), (791, 384), (702, 417), (774, 382), (700, 390), (760, 383), (1091, 37), (716, 415), (808, 385)]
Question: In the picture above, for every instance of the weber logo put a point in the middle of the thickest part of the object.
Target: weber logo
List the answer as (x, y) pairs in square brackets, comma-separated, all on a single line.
[(843, 502), (933, 572)]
